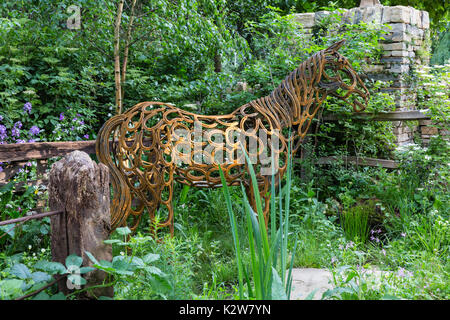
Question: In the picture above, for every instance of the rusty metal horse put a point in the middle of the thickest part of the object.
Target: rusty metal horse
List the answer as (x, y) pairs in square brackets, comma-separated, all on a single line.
[(154, 144)]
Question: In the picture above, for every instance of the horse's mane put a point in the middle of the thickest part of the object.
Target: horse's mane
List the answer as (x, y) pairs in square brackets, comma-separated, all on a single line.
[(295, 92)]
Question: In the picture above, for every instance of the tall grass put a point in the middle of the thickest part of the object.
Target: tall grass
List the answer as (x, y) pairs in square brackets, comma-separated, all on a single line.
[(267, 277), (355, 222)]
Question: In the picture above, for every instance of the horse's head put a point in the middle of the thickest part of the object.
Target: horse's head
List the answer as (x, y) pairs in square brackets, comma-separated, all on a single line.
[(340, 80)]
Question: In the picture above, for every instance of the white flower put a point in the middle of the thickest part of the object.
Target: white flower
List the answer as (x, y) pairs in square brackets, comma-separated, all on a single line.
[(122, 253), (43, 250), (29, 247)]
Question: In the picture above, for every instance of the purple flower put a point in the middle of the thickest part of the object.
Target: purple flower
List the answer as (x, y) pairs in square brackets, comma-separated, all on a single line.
[(61, 116), (403, 234), (15, 132), (20, 141), (3, 134), (1, 169), (86, 136), (34, 130), (18, 125), (1, 118), (81, 122), (31, 140), (383, 252), (401, 272), (27, 107)]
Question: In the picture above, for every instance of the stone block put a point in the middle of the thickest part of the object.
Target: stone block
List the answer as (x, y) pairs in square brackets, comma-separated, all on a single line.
[(398, 37), (415, 32), (369, 3), (425, 20), (429, 131), (398, 27), (394, 46), (400, 53), (372, 14), (373, 68), (415, 17), (305, 19), (403, 137), (419, 18), (425, 122), (396, 14), (391, 59)]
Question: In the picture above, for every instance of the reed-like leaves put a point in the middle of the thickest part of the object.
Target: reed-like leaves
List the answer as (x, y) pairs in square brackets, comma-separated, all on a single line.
[(264, 249)]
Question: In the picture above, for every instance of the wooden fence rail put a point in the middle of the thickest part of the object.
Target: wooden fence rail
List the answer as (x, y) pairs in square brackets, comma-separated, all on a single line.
[(381, 116)]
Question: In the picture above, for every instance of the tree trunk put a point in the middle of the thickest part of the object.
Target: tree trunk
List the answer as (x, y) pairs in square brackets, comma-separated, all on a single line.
[(117, 57), (217, 62), (80, 187)]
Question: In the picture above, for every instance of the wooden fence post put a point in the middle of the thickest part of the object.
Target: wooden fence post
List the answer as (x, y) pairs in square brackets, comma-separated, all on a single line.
[(80, 187)]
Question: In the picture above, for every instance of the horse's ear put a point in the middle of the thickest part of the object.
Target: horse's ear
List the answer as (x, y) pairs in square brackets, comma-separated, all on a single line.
[(335, 46)]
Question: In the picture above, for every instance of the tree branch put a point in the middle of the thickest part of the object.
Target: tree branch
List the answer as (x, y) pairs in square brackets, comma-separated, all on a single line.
[(117, 57), (127, 46)]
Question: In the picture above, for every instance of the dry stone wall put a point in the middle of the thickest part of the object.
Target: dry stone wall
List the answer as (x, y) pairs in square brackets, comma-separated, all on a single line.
[(406, 45)]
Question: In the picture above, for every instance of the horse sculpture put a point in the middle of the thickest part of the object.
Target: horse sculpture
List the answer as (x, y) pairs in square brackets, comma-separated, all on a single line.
[(154, 144)]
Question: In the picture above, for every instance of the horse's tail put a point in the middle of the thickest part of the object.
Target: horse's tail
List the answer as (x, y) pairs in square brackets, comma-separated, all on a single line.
[(105, 149)]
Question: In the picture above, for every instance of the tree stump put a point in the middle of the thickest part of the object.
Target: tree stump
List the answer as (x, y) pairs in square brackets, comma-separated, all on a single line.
[(80, 187)]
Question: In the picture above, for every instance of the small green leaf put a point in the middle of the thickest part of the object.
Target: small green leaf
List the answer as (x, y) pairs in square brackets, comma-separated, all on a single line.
[(112, 241), (41, 296), (8, 229), (123, 231), (21, 271), (351, 275), (278, 291), (50, 267), (151, 257), (39, 276), (58, 296), (11, 287), (91, 257), (74, 260), (84, 270), (154, 270), (310, 296)]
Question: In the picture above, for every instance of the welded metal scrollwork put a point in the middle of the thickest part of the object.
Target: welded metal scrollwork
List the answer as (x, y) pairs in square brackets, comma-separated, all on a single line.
[(154, 144)]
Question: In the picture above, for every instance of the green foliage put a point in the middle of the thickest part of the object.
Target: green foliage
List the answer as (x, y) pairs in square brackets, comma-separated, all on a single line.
[(440, 52), (432, 86), (355, 222)]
